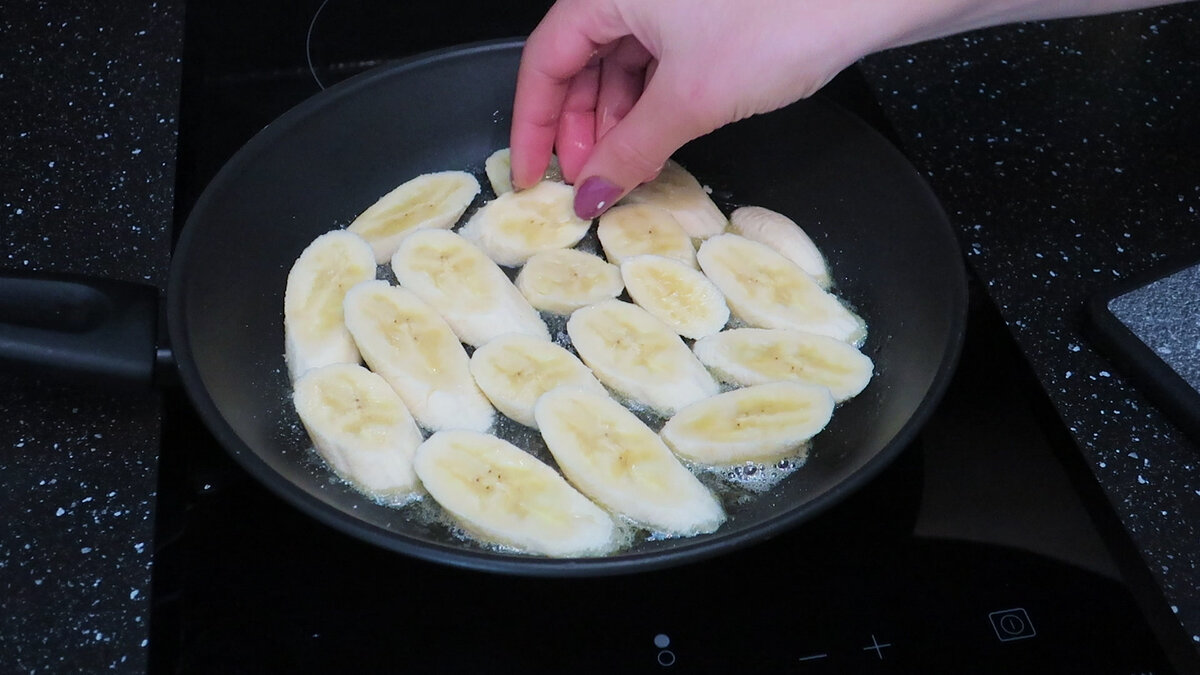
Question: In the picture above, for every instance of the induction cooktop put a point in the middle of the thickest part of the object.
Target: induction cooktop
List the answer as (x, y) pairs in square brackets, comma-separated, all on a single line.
[(975, 551)]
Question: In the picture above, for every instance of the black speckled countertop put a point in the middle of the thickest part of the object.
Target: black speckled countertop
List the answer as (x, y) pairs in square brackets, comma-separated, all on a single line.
[(1066, 154), (88, 104)]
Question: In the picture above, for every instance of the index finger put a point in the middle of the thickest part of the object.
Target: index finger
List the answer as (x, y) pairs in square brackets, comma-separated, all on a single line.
[(568, 37)]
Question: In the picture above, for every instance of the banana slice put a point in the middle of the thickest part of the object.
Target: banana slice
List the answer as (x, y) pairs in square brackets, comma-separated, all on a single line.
[(678, 295), (314, 332), (750, 356), (766, 290), (516, 225), (566, 279), (761, 423), (515, 370), (498, 167), (409, 345), (431, 200), (783, 235), (361, 427), (504, 495), (639, 356), (471, 293), (611, 456), (679, 192), (643, 229)]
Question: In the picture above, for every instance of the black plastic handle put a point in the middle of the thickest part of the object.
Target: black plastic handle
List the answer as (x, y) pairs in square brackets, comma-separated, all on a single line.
[(78, 328)]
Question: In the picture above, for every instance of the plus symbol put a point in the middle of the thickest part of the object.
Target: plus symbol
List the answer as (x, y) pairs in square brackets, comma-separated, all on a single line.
[(877, 647)]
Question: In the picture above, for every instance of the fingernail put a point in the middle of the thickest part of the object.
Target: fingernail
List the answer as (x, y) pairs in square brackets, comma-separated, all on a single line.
[(594, 197)]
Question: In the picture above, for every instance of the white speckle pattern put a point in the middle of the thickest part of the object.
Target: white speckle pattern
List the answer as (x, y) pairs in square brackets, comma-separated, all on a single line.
[(1069, 165), (1165, 315), (87, 130)]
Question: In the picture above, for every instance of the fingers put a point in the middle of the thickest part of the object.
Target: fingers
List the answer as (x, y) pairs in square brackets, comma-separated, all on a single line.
[(577, 126), (622, 79), (597, 98), (558, 49), (537, 109), (634, 149)]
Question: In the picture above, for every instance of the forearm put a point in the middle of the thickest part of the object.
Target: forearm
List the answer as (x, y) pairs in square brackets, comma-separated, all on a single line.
[(941, 18)]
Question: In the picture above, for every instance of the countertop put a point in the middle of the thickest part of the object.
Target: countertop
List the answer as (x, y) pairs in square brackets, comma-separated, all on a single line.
[(88, 105), (1065, 154)]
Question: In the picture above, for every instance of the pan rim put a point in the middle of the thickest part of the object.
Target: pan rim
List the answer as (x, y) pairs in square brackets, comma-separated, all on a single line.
[(686, 550)]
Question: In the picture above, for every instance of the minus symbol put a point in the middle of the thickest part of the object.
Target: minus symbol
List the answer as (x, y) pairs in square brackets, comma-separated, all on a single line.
[(814, 657)]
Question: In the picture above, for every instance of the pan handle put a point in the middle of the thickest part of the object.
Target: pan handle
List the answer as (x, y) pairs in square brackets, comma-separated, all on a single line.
[(75, 328)]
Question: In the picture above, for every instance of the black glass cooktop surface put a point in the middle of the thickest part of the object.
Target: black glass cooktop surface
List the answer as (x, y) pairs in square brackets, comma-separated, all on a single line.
[(973, 552), (970, 553)]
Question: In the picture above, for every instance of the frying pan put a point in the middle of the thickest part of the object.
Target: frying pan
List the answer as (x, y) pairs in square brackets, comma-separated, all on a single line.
[(887, 240)]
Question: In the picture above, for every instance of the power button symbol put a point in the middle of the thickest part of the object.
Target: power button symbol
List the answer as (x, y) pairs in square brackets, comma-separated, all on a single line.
[(1012, 624)]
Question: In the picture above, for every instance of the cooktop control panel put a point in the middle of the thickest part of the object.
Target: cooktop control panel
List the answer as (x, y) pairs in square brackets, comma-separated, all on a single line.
[(806, 602)]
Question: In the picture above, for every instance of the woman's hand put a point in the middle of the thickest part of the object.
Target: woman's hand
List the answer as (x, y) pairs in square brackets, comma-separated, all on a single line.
[(617, 86)]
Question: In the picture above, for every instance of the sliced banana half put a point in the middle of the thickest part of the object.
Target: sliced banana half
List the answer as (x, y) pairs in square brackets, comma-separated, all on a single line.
[(643, 229), (566, 279), (431, 200), (761, 423), (766, 290), (409, 345), (517, 225), (749, 356), (678, 191), (498, 167), (503, 495), (462, 284), (314, 331), (515, 370), (611, 456), (678, 295), (639, 356), (783, 235), (361, 427)]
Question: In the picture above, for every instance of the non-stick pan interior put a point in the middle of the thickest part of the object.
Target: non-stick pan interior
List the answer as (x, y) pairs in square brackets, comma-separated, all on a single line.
[(886, 239)]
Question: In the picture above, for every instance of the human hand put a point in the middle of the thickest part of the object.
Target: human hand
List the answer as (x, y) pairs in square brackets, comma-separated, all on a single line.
[(617, 86)]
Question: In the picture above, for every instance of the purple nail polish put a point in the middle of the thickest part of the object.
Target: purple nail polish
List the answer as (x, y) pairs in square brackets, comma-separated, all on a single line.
[(594, 197)]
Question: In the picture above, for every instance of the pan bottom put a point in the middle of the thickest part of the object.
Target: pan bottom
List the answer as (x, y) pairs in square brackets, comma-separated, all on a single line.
[(246, 583)]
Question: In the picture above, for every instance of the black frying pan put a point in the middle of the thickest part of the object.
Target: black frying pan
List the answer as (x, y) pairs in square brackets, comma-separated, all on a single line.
[(322, 163)]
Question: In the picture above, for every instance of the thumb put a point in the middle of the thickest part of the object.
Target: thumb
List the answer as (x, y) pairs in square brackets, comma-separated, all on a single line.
[(635, 149)]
